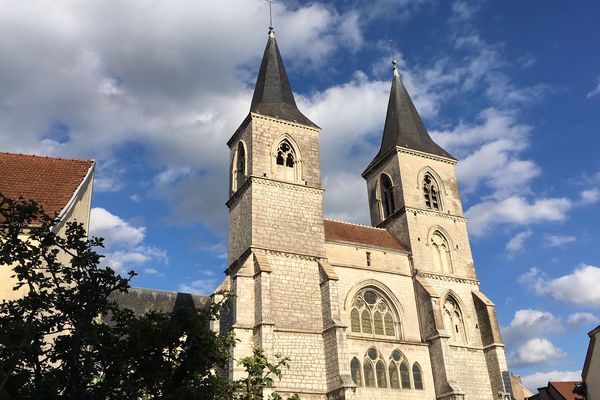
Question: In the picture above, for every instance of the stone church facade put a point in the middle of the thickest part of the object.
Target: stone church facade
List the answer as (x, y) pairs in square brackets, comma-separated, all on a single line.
[(389, 311)]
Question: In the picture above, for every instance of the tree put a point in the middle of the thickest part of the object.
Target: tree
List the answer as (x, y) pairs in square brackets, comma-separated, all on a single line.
[(54, 342), (66, 338)]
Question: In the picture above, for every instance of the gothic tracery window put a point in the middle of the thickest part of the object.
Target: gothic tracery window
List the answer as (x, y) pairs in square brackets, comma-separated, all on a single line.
[(387, 196), (371, 314), (286, 161), (453, 320), (431, 192), (375, 366), (441, 252), (398, 371)]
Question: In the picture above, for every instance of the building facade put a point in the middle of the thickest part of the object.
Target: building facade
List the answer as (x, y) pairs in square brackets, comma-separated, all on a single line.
[(391, 310)]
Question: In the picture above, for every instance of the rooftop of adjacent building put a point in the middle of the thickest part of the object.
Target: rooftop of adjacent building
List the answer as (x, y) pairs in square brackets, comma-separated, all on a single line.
[(558, 390), (50, 181)]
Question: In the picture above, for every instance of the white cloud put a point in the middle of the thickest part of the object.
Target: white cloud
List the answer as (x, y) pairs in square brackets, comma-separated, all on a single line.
[(528, 324), (579, 287), (515, 210), (582, 318), (589, 196), (516, 244), (536, 351), (203, 286), (558, 240), (124, 247), (595, 91), (113, 229), (541, 379)]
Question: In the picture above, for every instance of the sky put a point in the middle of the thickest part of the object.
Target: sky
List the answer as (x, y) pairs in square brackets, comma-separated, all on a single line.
[(152, 90)]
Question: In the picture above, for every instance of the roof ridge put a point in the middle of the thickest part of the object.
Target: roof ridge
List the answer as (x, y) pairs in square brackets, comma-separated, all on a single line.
[(46, 157), (353, 223)]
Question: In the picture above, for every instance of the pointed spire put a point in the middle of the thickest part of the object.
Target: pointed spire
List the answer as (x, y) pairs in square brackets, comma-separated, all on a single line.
[(403, 126), (273, 94)]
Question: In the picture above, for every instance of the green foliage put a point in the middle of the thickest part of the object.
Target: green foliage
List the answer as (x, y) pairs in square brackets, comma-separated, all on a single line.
[(55, 344), (260, 375)]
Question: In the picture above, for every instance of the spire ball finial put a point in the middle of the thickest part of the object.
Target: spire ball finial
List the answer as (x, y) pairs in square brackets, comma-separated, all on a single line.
[(394, 63), (271, 32)]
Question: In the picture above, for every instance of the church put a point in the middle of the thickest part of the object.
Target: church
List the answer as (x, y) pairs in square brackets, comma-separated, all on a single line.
[(391, 310)]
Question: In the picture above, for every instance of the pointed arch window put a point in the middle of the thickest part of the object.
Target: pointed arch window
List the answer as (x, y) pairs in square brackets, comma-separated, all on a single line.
[(286, 163), (441, 252), (372, 314), (373, 364), (398, 371), (387, 196), (355, 371), (453, 320), (417, 376), (431, 192), (238, 167)]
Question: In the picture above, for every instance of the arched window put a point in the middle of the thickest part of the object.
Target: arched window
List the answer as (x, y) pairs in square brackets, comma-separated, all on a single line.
[(374, 362), (371, 314), (431, 192), (404, 375), (241, 165), (286, 162), (417, 376), (369, 373), (386, 195), (399, 367), (355, 371), (453, 320), (441, 252)]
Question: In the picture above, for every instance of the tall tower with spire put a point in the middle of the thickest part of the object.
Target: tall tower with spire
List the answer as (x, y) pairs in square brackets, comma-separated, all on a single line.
[(278, 269), (413, 193)]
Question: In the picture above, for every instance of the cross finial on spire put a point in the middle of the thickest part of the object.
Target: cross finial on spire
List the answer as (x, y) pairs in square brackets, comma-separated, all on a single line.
[(394, 63), (271, 30)]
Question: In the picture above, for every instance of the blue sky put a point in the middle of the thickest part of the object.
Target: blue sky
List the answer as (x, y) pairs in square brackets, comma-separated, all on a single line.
[(153, 90)]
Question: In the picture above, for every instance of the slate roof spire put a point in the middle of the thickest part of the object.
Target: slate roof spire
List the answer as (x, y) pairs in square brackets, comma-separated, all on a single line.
[(403, 126), (273, 93)]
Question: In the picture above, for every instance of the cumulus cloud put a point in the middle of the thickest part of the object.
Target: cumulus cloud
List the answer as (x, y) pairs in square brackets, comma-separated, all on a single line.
[(124, 243), (515, 210), (558, 240), (579, 287), (579, 319), (536, 351), (528, 324), (540, 379)]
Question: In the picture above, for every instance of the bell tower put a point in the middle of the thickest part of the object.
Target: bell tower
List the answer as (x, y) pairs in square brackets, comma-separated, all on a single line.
[(286, 294), (413, 193)]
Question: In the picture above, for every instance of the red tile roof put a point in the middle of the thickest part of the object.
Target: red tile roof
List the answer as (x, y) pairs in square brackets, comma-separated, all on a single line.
[(565, 388), (49, 181), (359, 234)]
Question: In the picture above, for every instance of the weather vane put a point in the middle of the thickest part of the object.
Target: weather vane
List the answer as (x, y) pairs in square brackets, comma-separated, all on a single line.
[(270, 12)]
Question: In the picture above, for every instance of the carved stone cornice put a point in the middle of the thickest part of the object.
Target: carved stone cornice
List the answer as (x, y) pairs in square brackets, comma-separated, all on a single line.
[(446, 277), (433, 213)]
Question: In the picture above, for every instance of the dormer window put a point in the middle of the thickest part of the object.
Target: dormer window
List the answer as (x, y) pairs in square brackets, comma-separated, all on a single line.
[(431, 192)]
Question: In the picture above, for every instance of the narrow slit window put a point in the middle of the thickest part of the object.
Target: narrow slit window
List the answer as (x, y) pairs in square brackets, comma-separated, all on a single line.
[(368, 258)]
